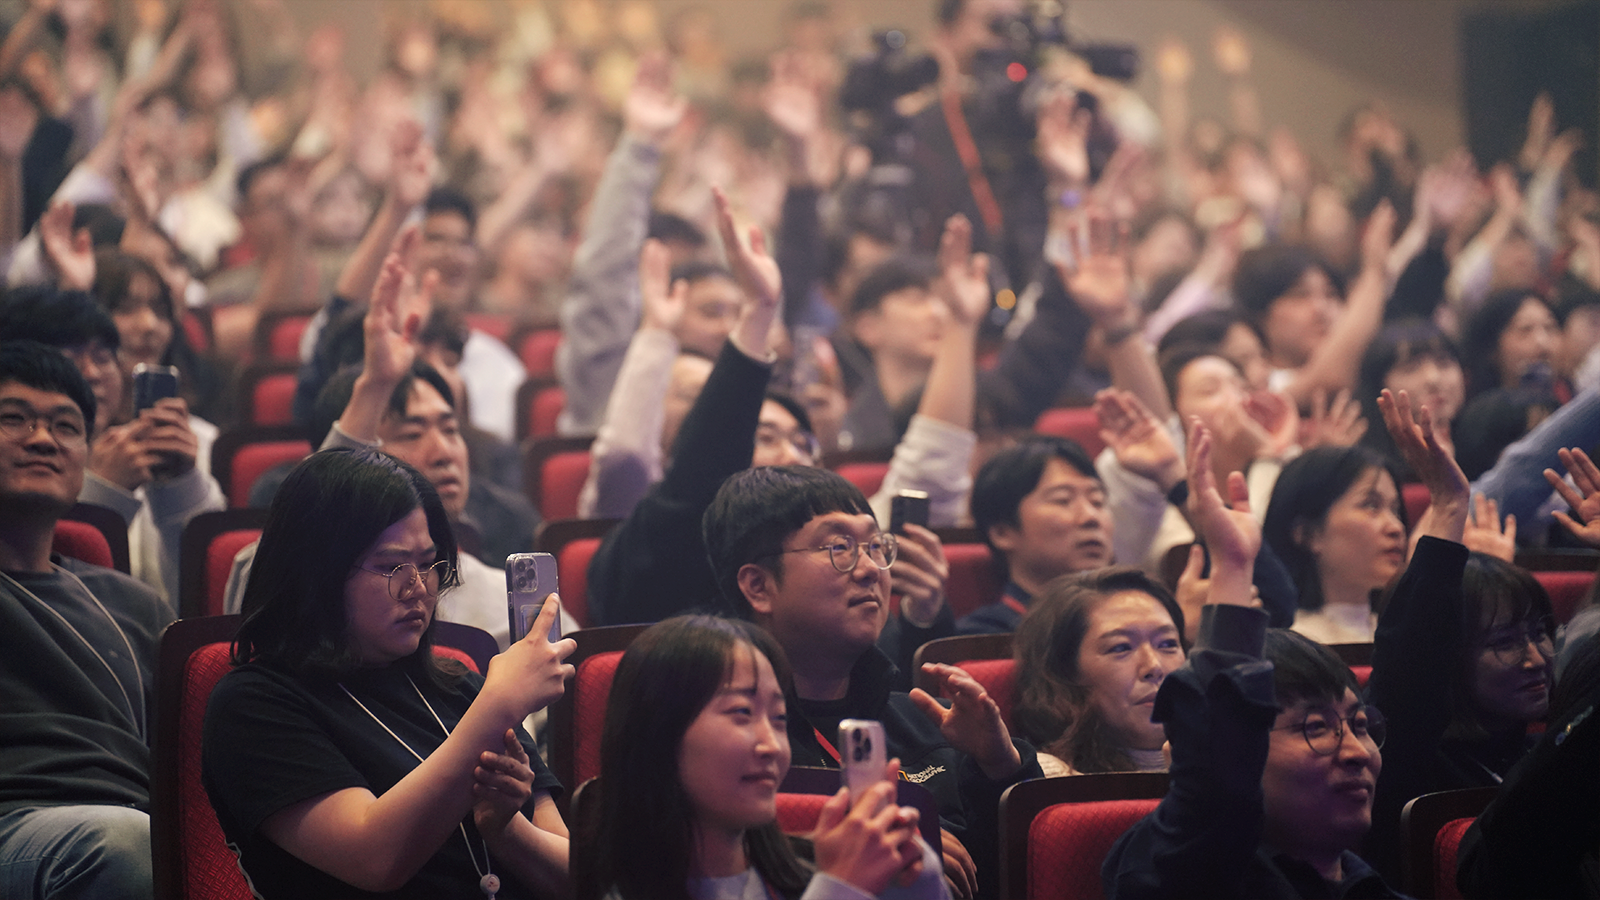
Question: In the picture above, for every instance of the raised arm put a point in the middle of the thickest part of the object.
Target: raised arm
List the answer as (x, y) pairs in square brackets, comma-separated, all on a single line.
[(1583, 496), (1448, 496), (410, 178)]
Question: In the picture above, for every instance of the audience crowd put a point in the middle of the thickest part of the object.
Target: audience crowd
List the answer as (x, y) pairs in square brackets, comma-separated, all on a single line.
[(1320, 403)]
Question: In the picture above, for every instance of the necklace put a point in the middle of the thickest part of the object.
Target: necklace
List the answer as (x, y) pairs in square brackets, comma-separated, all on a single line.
[(488, 882), (135, 712)]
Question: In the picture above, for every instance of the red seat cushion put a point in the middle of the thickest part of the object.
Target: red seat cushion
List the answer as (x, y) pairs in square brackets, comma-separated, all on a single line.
[(495, 325), (1362, 673), (591, 688), (254, 459), (973, 580), (284, 341), (1076, 422), (868, 476), (272, 400), (209, 868), (999, 678), (219, 564), (1446, 844), (80, 540), (561, 480), (538, 352), (460, 656), (1068, 842), (546, 406), (573, 563), (1566, 590), (798, 813)]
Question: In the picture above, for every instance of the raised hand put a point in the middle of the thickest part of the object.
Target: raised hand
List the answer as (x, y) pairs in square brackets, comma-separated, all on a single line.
[(501, 784), (411, 165), (1485, 533), (395, 315), (1378, 238), (790, 100), (1335, 423), (166, 433), (1063, 139), (652, 109), (1433, 464), (1230, 531), (18, 119), (1278, 419), (70, 253), (663, 301), (1139, 442), (972, 724), (1583, 495), (963, 282), (1099, 279)]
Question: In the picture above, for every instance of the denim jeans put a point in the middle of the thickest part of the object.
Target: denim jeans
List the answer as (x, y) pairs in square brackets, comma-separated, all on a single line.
[(85, 852)]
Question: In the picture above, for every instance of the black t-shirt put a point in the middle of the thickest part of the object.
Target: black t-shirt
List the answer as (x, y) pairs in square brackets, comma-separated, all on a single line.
[(272, 740)]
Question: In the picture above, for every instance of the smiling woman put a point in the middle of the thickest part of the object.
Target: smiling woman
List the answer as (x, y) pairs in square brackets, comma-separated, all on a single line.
[(1091, 655), (340, 754)]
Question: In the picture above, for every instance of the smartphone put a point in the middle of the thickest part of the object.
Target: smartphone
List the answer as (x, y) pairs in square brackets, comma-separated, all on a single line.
[(152, 383), (863, 754), (908, 507), (530, 579)]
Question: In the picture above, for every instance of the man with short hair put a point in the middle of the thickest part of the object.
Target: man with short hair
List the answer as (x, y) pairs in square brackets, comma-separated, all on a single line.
[(77, 669), (1042, 509), (798, 551), (152, 470)]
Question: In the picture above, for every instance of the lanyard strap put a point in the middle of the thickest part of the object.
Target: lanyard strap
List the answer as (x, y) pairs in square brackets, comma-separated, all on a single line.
[(967, 149), (827, 745), (1015, 604)]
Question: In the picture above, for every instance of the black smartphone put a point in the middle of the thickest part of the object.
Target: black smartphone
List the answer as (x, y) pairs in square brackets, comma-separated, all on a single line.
[(908, 507), (152, 383), (530, 579)]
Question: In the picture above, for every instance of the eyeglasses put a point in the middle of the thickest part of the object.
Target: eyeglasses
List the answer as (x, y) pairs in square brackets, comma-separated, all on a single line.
[(1324, 732), (19, 423), (845, 551), (1510, 646), (770, 438), (403, 576)]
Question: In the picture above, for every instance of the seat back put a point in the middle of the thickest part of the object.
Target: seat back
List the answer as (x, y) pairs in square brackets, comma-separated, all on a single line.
[(190, 856), (1416, 499), (1076, 422), (1431, 828), (205, 557), (578, 716), (93, 534), (241, 454), (974, 579), (269, 392), (473, 646), (1567, 591), (573, 542), (537, 350), (495, 325), (868, 476), (1055, 832), (539, 402), (553, 472), (278, 335)]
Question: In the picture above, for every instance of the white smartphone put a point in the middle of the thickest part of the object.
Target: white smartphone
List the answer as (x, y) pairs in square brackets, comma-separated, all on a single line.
[(863, 755), (530, 579)]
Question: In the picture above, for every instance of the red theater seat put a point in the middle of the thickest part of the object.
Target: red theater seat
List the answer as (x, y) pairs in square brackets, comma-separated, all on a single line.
[(242, 453), (1055, 832), (1431, 827), (986, 657), (577, 717), (94, 534), (205, 558), (1076, 422), (553, 472), (573, 542)]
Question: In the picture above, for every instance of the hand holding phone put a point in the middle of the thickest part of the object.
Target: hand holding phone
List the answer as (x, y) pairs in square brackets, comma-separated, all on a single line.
[(863, 755), (530, 579), (908, 507)]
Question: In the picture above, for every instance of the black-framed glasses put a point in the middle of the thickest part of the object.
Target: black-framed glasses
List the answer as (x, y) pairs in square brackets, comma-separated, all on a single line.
[(1510, 645), (404, 576), (19, 422), (1324, 730), (844, 551)]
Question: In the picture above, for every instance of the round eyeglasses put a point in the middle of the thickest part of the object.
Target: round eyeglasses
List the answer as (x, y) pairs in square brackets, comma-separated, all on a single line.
[(1510, 645), (402, 577), (845, 551), (1324, 731), (20, 423)]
